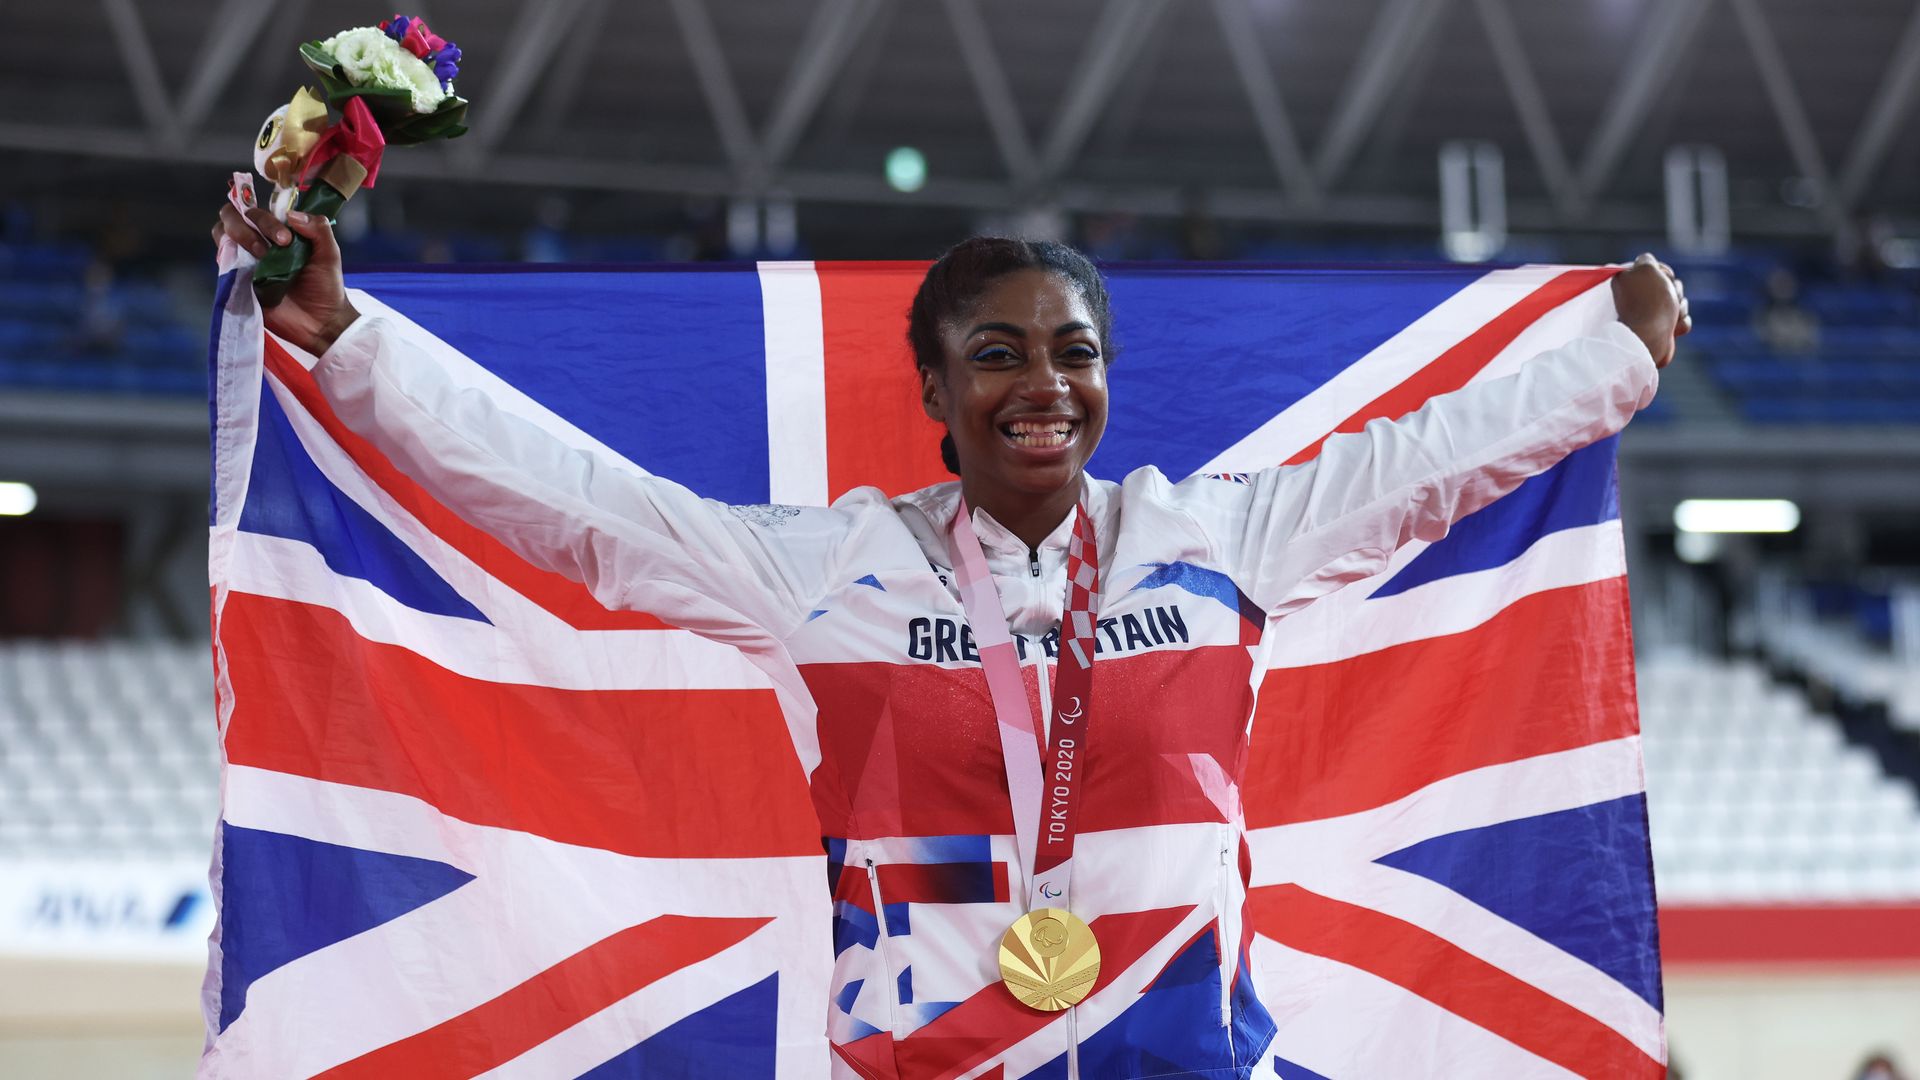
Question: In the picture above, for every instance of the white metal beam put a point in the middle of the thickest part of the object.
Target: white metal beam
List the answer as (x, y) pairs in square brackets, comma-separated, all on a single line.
[(1402, 28), (830, 37), (228, 42), (717, 87), (841, 105), (536, 34), (1115, 122), (1242, 38), (1116, 40), (1654, 55), (557, 93), (996, 97), (1549, 156), (143, 68), (1787, 106), (1891, 103), (866, 187)]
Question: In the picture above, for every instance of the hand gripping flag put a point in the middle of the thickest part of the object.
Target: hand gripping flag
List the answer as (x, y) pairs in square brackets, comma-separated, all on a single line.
[(475, 823)]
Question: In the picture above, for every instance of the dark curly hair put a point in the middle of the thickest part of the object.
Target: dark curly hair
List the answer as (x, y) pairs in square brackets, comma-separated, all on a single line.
[(955, 281)]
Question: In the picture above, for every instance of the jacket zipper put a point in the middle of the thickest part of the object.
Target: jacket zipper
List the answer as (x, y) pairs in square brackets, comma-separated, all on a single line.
[(1033, 561), (880, 948), (1046, 697)]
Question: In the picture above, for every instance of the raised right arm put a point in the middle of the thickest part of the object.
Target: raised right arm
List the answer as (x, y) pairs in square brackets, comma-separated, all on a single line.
[(635, 541)]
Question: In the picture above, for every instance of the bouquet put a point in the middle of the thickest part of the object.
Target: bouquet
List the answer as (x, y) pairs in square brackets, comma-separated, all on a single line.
[(383, 85)]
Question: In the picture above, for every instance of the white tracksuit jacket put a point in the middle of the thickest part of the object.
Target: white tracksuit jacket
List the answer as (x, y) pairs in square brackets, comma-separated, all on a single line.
[(852, 612)]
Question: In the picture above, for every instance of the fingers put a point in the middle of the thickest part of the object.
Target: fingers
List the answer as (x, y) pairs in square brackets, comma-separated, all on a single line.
[(270, 225), (1684, 323), (1642, 310), (1679, 287), (233, 227), (317, 228)]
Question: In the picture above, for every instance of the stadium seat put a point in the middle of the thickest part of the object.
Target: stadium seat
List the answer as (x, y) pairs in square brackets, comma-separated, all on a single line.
[(106, 750), (1753, 797)]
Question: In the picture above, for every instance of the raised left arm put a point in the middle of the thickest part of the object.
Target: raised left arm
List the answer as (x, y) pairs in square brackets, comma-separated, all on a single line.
[(1299, 532)]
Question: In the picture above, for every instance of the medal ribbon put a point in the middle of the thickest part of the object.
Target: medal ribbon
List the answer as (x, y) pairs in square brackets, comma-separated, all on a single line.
[(1045, 788)]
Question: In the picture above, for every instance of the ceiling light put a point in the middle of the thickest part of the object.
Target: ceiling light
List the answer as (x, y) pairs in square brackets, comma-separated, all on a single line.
[(17, 499), (906, 169), (1736, 516)]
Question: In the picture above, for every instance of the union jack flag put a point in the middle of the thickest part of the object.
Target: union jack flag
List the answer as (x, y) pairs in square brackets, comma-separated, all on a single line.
[(476, 823)]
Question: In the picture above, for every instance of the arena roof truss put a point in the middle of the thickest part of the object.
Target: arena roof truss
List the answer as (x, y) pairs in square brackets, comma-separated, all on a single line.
[(1255, 110)]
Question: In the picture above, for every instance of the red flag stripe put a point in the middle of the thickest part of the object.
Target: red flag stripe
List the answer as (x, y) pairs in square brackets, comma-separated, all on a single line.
[(568, 600), (1452, 369), (583, 984), (631, 771), (1551, 672), (874, 435), (1451, 978)]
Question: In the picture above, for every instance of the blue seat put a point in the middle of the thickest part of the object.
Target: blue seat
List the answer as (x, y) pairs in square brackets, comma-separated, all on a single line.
[(44, 261), (1860, 304), (1768, 410), (1726, 310), (164, 345), (21, 337), (149, 304), (41, 299)]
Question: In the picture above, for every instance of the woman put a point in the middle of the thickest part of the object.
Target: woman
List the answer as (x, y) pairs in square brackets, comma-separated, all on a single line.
[(1022, 698)]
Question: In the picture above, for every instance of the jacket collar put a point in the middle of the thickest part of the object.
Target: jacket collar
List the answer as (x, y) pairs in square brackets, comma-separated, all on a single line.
[(941, 501)]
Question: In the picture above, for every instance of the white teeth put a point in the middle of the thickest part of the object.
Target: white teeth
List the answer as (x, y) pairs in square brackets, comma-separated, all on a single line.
[(1039, 433)]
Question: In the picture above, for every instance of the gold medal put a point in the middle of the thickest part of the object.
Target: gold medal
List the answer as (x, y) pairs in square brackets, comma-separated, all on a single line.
[(1049, 959)]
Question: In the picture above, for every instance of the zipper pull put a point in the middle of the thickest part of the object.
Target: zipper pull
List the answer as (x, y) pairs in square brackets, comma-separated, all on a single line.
[(1033, 560)]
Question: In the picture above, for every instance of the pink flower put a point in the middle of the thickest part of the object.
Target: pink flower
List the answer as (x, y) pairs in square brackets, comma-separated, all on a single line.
[(413, 35), (421, 41)]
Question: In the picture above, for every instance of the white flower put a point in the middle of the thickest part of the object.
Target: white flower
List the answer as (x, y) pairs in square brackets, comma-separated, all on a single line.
[(354, 49), (371, 58)]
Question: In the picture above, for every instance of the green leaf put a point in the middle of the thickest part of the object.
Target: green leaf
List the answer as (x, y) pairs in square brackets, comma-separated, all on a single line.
[(318, 59), (446, 122), (392, 108), (278, 267)]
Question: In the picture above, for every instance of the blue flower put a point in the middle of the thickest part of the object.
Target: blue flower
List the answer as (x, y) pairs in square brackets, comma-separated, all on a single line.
[(446, 64)]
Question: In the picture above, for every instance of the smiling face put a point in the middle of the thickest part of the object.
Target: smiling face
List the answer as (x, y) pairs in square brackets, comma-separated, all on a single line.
[(1024, 389)]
